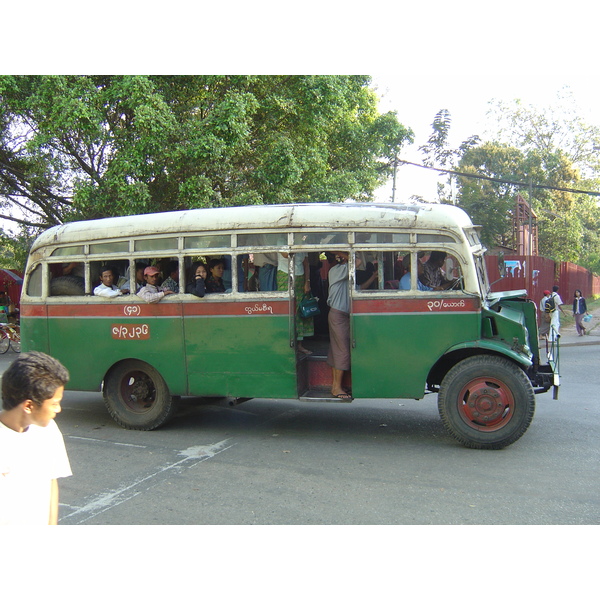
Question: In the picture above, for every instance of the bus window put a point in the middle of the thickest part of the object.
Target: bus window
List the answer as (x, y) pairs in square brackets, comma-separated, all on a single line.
[(153, 244), (219, 279), (321, 237), (34, 284), (97, 268), (377, 270), (261, 239), (201, 242), (67, 279), (109, 248), (440, 271)]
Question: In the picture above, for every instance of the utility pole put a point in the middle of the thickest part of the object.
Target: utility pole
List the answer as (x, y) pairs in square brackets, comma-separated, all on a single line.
[(394, 179)]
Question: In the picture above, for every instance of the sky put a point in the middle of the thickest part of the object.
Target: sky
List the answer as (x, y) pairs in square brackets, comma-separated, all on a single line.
[(505, 51), (422, 56)]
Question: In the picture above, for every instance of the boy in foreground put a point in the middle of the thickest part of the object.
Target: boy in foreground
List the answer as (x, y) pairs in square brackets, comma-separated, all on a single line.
[(32, 450)]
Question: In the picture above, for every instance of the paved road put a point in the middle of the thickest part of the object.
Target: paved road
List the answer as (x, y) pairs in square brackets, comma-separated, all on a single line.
[(369, 462)]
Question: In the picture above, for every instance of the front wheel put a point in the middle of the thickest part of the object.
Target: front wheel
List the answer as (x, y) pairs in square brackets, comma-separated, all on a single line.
[(15, 342), (137, 397), (4, 342), (486, 402)]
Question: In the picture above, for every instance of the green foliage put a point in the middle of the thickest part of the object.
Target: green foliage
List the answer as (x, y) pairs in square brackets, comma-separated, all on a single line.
[(549, 149), (14, 249), (81, 147)]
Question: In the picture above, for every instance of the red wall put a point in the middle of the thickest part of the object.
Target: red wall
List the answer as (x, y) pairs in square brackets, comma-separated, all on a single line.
[(567, 276)]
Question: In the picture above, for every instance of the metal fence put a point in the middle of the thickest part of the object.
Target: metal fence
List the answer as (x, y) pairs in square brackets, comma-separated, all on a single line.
[(536, 274)]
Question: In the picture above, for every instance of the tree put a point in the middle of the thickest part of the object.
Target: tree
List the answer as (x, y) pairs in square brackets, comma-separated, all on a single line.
[(80, 147), (488, 201), (438, 153), (547, 129), (544, 152)]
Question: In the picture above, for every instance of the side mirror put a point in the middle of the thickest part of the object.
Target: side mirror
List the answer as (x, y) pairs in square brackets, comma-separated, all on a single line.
[(501, 265)]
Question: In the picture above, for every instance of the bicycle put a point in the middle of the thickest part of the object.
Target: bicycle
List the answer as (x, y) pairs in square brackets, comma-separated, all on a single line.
[(10, 337)]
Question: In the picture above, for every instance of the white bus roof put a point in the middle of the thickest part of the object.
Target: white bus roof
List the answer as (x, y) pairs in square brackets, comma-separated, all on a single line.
[(355, 216)]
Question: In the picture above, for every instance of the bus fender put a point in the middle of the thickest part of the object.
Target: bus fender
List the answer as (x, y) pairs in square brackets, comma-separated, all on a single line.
[(490, 346), (458, 352)]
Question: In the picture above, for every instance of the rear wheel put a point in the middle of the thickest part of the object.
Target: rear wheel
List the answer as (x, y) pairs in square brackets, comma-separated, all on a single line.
[(486, 402), (137, 397), (4, 342)]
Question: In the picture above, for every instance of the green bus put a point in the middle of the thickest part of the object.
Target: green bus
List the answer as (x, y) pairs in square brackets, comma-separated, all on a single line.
[(477, 350)]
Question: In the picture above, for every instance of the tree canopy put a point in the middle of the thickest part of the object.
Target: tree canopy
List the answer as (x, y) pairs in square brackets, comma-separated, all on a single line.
[(81, 147), (540, 154)]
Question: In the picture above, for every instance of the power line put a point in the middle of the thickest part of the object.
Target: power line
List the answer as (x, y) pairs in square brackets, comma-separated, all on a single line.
[(496, 180)]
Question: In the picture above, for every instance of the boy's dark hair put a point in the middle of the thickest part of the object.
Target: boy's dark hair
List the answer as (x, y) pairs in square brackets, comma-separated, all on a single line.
[(32, 376)]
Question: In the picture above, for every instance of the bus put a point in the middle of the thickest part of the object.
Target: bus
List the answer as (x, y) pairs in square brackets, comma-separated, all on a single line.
[(477, 350)]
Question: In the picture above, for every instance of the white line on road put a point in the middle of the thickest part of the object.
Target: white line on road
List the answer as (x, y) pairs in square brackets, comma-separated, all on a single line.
[(88, 439), (113, 498)]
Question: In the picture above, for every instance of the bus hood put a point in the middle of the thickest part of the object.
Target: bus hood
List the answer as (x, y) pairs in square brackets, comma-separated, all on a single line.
[(495, 297)]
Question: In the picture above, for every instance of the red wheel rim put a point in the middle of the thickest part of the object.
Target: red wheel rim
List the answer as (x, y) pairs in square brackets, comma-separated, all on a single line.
[(486, 404)]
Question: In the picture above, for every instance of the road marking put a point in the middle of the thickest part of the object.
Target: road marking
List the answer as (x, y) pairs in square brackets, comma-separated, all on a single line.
[(88, 439), (108, 500)]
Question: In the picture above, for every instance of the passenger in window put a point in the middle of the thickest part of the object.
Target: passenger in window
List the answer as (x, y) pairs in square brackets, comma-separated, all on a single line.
[(214, 282), (267, 271), (366, 271), (304, 327), (150, 292), (365, 275), (139, 278), (338, 357), (433, 275), (172, 281), (107, 289), (196, 278), (405, 279)]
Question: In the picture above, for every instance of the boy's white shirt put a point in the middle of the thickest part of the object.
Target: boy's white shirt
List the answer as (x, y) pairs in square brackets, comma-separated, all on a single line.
[(29, 461)]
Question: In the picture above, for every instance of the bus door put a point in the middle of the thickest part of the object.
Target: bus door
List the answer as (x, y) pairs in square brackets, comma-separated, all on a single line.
[(239, 344)]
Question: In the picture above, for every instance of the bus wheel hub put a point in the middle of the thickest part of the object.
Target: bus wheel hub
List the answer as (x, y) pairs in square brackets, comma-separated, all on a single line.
[(485, 404)]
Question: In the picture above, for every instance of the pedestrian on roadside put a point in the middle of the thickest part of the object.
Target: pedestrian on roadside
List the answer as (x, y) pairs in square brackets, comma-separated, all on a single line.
[(32, 449), (555, 321), (545, 317), (579, 311)]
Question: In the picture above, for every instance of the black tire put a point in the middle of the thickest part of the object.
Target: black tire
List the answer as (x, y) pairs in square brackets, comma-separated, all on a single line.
[(137, 397), (4, 342), (67, 285), (486, 402)]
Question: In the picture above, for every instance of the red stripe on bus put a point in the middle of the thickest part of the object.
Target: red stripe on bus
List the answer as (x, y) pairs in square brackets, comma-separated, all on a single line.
[(114, 310), (218, 309), (226, 309), (32, 310), (420, 305)]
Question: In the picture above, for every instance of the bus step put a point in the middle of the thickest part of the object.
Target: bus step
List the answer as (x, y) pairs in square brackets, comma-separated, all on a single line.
[(320, 395)]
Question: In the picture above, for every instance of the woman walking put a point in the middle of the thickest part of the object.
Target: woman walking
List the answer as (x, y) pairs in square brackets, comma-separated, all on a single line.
[(579, 310)]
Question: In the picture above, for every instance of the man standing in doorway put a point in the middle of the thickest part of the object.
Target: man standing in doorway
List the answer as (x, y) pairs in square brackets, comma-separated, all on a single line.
[(338, 300)]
